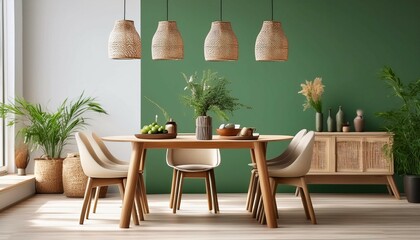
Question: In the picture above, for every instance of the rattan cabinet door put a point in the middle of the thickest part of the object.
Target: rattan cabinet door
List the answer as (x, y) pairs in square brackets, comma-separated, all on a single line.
[(322, 158), (349, 154), (374, 158)]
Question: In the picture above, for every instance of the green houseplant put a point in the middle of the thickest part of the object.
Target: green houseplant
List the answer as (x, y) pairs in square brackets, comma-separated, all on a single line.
[(404, 123), (50, 132), (210, 93)]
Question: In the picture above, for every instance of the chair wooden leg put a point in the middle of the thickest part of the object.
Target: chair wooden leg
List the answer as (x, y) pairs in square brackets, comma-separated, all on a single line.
[(256, 199), (86, 199), (259, 208), (209, 192), (251, 189), (98, 190), (273, 185), (143, 194), (181, 184), (214, 191), (139, 204), (304, 203), (175, 197), (297, 192), (90, 203), (308, 200), (171, 197)]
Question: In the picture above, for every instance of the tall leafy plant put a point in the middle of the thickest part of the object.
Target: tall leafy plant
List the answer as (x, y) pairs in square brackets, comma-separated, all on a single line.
[(404, 123), (210, 93), (49, 131)]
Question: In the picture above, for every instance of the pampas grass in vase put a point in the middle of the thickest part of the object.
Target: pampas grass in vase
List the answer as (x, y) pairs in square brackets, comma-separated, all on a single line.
[(21, 159)]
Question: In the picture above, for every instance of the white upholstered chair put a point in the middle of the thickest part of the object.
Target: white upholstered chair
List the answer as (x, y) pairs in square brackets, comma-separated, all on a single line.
[(284, 157), (104, 154), (193, 163), (293, 173), (99, 173)]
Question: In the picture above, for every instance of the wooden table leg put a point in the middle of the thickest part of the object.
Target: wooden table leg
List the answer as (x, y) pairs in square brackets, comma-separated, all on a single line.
[(130, 189), (267, 196)]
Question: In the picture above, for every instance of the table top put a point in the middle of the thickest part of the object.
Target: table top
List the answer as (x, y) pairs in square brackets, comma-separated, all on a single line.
[(190, 141)]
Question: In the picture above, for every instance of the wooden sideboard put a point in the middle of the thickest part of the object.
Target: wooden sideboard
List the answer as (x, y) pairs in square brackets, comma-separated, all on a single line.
[(352, 158)]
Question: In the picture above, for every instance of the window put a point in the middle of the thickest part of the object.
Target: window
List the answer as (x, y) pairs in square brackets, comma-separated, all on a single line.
[(2, 91)]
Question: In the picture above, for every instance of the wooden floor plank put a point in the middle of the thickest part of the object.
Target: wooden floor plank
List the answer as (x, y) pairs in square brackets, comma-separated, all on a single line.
[(340, 216)]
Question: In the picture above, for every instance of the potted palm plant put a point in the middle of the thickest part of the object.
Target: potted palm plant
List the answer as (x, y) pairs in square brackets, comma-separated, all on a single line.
[(209, 94), (50, 132), (404, 123)]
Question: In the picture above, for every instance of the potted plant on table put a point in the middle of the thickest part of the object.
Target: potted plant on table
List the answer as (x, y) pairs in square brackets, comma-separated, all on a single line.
[(209, 94), (404, 123), (50, 132)]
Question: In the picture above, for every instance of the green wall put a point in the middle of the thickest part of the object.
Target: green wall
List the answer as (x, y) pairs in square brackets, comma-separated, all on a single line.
[(344, 42)]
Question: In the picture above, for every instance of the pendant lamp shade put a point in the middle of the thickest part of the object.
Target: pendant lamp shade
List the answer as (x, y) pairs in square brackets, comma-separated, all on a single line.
[(271, 43), (221, 43), (167, 43), (124, 41)]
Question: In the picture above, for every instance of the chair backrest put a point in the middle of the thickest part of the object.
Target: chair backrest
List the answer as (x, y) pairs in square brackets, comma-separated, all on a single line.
[(183, 156), (101, 149), (302, 156), (290, 148), (91, 163)]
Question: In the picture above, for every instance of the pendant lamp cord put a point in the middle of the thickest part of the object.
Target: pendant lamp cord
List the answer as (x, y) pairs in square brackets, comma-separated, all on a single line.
[(272, 10), (167, 10), (124, 9), (221, 10)]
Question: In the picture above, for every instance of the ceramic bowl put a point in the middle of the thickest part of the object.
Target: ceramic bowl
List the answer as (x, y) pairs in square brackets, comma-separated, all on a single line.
[(228, 131)]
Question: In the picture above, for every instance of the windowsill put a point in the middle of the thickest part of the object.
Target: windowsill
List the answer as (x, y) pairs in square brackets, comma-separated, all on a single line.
[(14, 188)]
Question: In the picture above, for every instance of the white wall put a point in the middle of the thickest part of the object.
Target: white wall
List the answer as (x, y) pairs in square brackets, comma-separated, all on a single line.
[(65, 53)]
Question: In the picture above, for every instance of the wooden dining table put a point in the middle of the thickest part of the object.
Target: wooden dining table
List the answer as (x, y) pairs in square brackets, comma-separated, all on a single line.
[(139, 146)]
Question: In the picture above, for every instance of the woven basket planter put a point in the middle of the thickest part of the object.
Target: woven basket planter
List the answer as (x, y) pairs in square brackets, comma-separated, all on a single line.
[(74, 179), (48, 175)]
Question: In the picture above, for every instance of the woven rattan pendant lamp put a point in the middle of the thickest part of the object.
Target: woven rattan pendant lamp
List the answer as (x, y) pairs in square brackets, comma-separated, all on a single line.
[(271, 43), (124, 41), (221, 43), (167, 43)]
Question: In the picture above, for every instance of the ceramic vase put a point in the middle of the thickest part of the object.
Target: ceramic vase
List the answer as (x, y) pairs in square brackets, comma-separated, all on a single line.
[(318, 121), (339, 119), (359, 121), (330, 122), (203, 128)]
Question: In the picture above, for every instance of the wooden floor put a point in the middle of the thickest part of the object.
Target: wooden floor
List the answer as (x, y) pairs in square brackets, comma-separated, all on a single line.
[(343, 216)]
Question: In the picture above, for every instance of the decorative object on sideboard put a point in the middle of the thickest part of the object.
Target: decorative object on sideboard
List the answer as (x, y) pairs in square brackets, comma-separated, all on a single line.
[(209, 94), (124, 41), (319, 121), (313, 91), (346, 127), (167, 43), (403, 123), (359, 122), (50, 132), (339, 119), (330, 122), (221, 43), (271, 43)]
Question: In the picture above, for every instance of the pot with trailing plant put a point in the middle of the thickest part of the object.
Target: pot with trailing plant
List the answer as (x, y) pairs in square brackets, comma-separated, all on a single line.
[(210, 93), (404, 123), (50, 132)]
